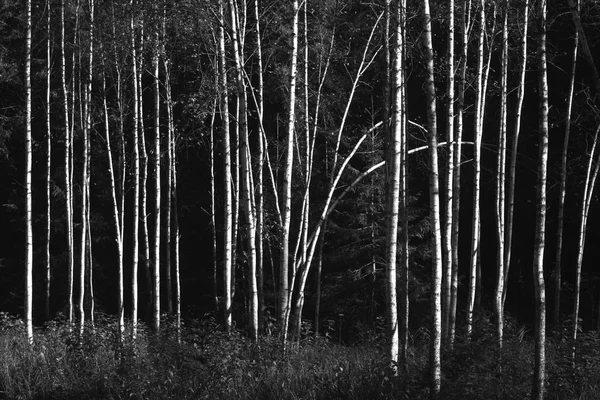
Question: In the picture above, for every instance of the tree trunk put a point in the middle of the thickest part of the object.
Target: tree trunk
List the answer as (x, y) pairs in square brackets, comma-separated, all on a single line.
[(136, 179), (460, 105), (563, 191), (28, 186), (68, 166), (157, 184), (228, 223), (48, 271), (393, 188), (501, 183), (539, 375), (477, 173), (284, 289), (513, 161), (436, 301), (448, 218)]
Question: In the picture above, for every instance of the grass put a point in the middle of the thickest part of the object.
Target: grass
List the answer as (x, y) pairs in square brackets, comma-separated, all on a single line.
[(209, 364)]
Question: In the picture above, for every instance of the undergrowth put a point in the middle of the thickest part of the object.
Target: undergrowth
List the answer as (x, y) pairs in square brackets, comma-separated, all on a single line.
[(211, 364)]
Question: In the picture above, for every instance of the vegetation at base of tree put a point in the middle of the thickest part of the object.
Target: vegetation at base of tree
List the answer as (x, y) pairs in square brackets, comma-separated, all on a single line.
[(210, 364)]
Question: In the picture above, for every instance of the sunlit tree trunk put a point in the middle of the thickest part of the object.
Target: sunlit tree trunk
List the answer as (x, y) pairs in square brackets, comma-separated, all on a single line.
[(246, 179), (213, 222), (539, 375), (460, 105), (113, 186), (28, 185), (228, 223), (143, 156), (393, 187), (48, 271), (284, 289), (259, 171), (501, 182), (136, 178), (90, 274), (588, 190), (157, 182), (477, 173), (563, 191), (85, 189), (513, 161), (169, 189), (405, 249), (67, 165), (436, 281), (448, 218)]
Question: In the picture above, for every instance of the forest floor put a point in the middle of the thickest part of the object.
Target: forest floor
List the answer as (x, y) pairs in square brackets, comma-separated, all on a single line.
[(210, 364)]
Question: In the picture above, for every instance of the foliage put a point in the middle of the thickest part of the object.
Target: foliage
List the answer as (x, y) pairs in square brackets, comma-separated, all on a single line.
[(211, 364)]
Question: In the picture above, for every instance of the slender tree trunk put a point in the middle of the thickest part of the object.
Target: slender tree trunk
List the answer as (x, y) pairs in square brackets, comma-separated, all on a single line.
[(28, 185), (513, 161), (563, 191), (284, 289), (68, 163), (246, 169), (588, 190), (405, 249), (436, 301), (448, 218), (48, 271), (228, 223), (143, 155), (85, 201), (477, 173), (213, 223), (169, 190), (460, 105), (393, 188), (157, 183), (539, 376), (90, 274), (136, 178), (259, 173), (115, 202), (501, 182)]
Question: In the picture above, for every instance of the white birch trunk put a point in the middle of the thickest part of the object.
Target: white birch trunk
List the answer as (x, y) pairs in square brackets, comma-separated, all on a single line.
[(28, 306), (436, 301), (477, 173), (136, 179), (48, 271), (563, 190), (157, 184), (228, 223), (539, 375)]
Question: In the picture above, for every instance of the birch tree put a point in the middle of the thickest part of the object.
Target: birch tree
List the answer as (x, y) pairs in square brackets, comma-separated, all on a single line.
[(460, 105), (28, 186), (228, 223), (48, 272), (136, 176), (477, 170), (157, 182), (539, 376), (514, 150), (501, 182), (563, 189), (286, 201), (393, 190), (436, 301)]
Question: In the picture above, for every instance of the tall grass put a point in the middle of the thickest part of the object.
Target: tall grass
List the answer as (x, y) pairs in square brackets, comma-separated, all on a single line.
[(210, 364)]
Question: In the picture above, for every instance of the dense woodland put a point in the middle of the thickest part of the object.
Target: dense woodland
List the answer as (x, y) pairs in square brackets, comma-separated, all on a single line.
[(299, 199)]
